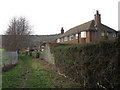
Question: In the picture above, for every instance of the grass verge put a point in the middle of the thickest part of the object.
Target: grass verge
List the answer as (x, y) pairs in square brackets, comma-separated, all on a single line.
[(14, 77), (40, 76), (50, 72)]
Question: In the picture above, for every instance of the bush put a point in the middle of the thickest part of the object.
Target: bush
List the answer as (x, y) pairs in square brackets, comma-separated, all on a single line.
[(90, 64)]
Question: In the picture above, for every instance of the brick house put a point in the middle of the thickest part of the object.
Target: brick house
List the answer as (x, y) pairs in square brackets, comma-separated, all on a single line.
[(43, 45), (89, 32)]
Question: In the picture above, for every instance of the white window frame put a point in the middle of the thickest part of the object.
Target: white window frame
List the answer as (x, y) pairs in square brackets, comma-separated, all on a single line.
[(61, 39), (65, 38), (83, 34), (76, 36), (102, 34), (71, 37), (113, 34), (58, 40)]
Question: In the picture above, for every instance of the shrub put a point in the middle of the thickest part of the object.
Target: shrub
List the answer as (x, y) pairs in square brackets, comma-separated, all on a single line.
[(90, 64)]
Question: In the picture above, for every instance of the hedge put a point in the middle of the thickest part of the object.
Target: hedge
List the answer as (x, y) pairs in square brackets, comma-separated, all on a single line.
[(91, 65)]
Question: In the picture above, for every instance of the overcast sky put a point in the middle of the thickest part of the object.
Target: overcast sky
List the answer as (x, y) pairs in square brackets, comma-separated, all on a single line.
[(48, 16)]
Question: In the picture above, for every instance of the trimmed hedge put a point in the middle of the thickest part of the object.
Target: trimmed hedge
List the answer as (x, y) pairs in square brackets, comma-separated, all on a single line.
[(91, 65)]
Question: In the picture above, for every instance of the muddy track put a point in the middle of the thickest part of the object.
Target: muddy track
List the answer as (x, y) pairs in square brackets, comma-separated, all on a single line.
[(26, 75)]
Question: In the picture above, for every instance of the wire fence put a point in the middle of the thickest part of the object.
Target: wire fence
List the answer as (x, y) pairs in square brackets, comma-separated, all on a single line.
[(9, 58)]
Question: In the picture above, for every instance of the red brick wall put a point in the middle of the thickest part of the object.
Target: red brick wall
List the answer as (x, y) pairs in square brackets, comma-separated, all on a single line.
[(88, 37), (84, 40), (91, 36), (110, 37), (70, 41), (81, 40)]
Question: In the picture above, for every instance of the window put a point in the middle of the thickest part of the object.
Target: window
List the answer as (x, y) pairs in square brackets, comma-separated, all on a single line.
[(76, 36), (42, 50), (71, 37), (65, 39), (58, 40), (42, 46), (107, 33), (61, 39), (102, 34), (83, 34), (114, 35)]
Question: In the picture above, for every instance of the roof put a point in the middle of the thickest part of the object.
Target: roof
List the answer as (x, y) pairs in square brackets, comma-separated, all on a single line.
[(88, 26), (41, 38), (108, 29)]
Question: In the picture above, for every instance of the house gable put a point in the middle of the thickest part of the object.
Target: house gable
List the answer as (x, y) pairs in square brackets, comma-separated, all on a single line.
[(94, 31)]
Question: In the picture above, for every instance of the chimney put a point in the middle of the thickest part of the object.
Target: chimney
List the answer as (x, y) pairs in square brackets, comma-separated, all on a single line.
[(62, 30), (97, 19)]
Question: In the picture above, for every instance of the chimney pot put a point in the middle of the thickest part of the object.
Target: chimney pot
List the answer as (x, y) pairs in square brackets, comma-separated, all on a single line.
[(97, 19), (62, 30), (97, 12)]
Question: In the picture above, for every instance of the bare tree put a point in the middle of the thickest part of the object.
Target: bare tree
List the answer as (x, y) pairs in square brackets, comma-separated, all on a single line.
[(17, 35)]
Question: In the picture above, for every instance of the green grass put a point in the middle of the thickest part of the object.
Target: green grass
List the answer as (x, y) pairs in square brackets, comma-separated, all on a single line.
[(4, 58), (38, 76), (2, 50), (14, 77)]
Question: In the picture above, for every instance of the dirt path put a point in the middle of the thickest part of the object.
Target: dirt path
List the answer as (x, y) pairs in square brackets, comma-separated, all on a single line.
[(26, 75), (41, 74)]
